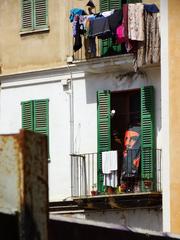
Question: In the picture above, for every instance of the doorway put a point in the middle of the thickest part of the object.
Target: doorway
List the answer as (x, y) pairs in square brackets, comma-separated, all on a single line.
[(125, 133)]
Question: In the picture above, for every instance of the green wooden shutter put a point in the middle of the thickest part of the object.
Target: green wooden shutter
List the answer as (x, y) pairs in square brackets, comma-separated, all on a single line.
[(133, 1), (107, 47), (115, 4), (27, 15), (104, 130), (40, 13), (148, 161), (41, 116), (104, 5), (104, 44), (27, 115)]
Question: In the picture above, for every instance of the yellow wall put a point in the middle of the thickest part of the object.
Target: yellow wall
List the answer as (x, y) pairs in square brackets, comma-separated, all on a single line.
[(174, 80), (40, 50)]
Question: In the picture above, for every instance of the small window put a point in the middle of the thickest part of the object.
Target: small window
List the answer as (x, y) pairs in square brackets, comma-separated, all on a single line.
[(34, 15)]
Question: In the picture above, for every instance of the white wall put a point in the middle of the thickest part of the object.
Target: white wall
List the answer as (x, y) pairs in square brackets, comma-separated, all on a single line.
[(59, 166), (14, 91), (148, 219), (85, 109)]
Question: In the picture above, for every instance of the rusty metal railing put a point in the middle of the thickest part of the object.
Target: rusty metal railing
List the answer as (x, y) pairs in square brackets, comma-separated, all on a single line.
[(83, 174)]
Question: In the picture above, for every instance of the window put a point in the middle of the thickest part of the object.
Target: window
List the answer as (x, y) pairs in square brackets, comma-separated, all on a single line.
[(131, 105), (34, 15), (35, 115)]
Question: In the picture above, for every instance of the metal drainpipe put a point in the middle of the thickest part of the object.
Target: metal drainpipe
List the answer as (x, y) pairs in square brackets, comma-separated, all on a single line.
[(71, 110)]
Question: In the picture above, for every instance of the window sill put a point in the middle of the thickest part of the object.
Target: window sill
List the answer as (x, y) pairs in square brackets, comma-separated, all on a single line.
[(22, 33)]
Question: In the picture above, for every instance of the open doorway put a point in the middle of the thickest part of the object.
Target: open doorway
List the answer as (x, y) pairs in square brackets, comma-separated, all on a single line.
[(127, 107), (125, 134)]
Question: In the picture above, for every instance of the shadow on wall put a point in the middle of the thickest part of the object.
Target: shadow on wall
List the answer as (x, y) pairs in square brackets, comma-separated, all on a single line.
[(125, 81), (9, 227), (113, 82), (63, 229)]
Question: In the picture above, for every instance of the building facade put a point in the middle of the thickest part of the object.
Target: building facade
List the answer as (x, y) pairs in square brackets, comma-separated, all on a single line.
[(48, 88)]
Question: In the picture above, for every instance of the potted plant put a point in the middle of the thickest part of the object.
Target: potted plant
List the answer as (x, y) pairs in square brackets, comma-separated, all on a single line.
[(94, 190)]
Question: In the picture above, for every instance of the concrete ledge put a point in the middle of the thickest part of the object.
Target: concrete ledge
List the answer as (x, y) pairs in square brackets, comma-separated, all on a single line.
[(121, 201)]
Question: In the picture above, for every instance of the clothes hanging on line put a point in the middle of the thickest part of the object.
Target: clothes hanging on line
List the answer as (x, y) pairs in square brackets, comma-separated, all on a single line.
[(136, 21), (99, 27), (109, 168), (136, 25), (76, 11)]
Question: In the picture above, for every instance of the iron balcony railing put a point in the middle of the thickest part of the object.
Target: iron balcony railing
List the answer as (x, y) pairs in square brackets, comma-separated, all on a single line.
[(84, 176), (104, 48)]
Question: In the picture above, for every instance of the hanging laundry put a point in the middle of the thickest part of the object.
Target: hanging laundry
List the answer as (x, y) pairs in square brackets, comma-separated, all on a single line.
[(152, 8), (115, 20), (136, 21), (77, 32), (152, 54), (76, 11), (99, 27), (107, 13), (109, 168), (122, 30), (90, 47), (120, 34), (149, 51)]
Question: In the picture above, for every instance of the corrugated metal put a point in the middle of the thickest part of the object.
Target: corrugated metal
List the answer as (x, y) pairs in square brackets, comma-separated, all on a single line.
[(24, 181)]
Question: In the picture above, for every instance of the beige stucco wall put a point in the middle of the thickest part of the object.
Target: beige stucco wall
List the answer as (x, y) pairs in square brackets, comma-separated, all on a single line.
[(40, 50), (174, 88)]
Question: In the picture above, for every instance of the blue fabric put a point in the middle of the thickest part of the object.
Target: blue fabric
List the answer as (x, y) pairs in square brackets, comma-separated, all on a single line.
[(76, 11), (152, 8)]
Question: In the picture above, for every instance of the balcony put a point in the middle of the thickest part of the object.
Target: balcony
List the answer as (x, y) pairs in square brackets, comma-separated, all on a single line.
[(95, 39), (142, 191), (111, 61)]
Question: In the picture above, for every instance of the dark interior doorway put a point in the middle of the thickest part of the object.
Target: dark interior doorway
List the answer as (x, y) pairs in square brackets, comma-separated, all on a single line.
[(125, 113), (127, 106)]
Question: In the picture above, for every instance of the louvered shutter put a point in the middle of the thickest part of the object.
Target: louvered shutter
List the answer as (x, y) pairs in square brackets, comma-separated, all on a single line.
[(41, 116), (115, 4), (105, 44), (148, 158), (40, 13), (104, 130), (133, 1), (27, 115), (27, 14)]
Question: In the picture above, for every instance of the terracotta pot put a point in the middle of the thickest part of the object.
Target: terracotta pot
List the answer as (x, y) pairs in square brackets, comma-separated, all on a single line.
[(110, 190), (93, 193)]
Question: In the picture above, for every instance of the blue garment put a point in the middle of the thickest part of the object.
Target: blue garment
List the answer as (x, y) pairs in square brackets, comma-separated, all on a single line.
[(76, 11), (152, 8)]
